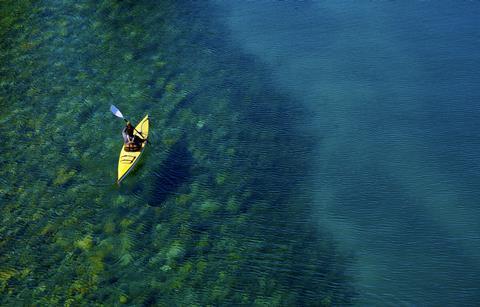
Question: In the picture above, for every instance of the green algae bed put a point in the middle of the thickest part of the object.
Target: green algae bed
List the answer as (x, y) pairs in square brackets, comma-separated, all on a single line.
[(214, 214)]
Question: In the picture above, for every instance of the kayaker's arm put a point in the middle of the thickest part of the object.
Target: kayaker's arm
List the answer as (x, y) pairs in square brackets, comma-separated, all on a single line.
[(125, 135)]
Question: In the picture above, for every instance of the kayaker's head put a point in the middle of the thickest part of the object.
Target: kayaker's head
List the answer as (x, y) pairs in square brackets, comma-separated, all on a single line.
[(129, 128)]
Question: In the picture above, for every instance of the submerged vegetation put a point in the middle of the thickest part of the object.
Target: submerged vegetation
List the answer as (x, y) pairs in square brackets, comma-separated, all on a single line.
[(215, 212)]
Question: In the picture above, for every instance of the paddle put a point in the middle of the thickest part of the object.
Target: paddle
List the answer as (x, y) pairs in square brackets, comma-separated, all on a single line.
[(119, 114)]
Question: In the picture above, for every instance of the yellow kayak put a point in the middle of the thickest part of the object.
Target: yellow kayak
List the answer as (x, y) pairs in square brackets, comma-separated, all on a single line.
[(128, 159)]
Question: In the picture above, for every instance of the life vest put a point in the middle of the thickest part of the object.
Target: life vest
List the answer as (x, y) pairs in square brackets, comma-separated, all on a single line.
[(131, 143), (132, 146)]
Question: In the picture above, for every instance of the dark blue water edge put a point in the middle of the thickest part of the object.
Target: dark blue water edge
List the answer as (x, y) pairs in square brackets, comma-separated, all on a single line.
[(393, 91)]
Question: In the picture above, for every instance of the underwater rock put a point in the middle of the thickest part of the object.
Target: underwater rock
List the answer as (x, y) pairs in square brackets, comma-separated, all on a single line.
[(231, 151), (85, 244), (183, 199), (125, 259), (5, 275), (175, 252), (233, 205), (166, 268), (220, 178), (160, 64), (200, 124), (105, 248), (48, 229), (120, 200), (203, 242), (64, 176), (208, 207), (201, 265), (170, 88), (127, 56), (109, 227), (123, 299), (125, 223), (96, 264)]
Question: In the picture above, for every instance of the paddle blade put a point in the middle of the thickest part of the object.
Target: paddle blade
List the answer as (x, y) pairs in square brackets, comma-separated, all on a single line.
[(116, 111)]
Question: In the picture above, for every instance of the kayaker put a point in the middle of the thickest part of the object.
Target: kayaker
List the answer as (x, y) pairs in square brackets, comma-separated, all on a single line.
[(132, 142)]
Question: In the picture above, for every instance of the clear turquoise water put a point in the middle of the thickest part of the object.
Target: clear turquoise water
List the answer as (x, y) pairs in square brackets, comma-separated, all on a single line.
[(392, 88), (218, 210)]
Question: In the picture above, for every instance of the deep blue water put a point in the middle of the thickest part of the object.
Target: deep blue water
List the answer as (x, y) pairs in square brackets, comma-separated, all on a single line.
[(393, 92)]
